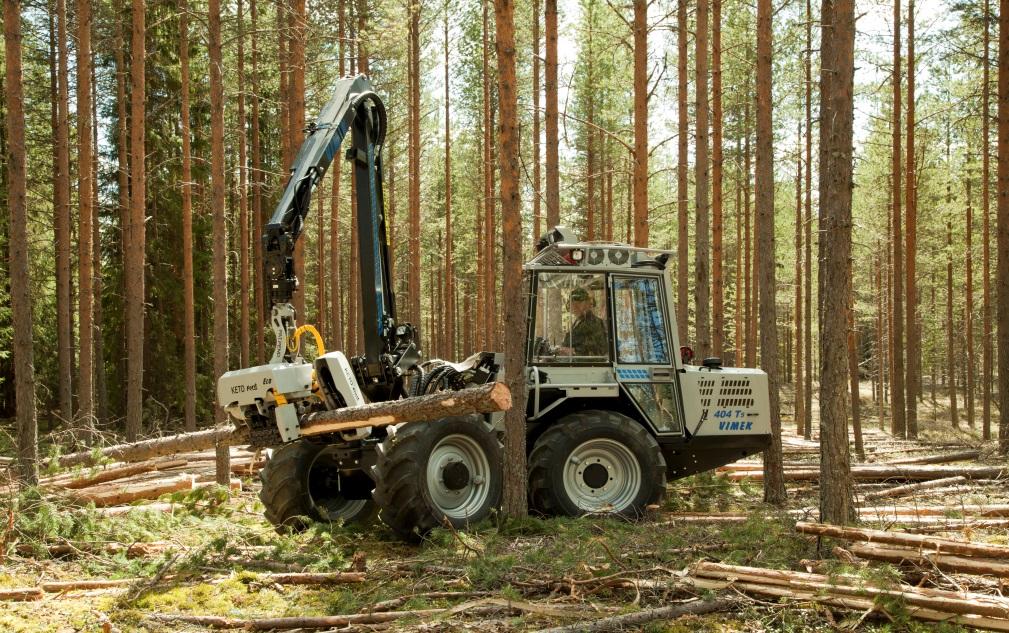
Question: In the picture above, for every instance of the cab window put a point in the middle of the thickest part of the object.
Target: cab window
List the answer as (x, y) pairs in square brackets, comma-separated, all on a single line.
[(571, 319), (640, 322)]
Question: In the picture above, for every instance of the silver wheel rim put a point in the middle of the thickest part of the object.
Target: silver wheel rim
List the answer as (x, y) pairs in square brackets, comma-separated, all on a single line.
[(602, 475), (453, 455)]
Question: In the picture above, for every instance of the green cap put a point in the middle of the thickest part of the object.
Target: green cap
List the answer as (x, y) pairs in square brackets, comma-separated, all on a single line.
[(579, 294)]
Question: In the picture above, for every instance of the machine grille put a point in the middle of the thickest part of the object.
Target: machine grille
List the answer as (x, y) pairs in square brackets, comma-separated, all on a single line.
[(735, 393)]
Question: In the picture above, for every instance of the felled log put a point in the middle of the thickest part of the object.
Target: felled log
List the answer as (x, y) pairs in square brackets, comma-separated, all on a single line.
[(940, 545), (946, 562), (488, 398), (960, 456), (874, 472), (128, 493), (81, 585), (21, 594), (132, 550), (113, 511), (966, 509), (112, 474), (958, 524), (671, 612), (302, 622), (159, 446), (309, 578), (974, 609), (910, 489)]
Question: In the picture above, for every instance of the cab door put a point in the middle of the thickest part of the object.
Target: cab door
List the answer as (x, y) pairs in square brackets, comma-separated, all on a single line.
[(643, 356)]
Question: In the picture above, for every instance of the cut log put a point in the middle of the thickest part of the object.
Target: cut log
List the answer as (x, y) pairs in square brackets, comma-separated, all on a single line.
[(671, 612), (112, 474), (128, 493), (305, 622), (489, 398), (21, 594), (965, 509), (873, 472), (946, 562), (948, 458), (158, 447), (132, 550), (113, 511), (939, 545), (956, 525), (910, 489), (308, 578), (83, 585), (930, 604)]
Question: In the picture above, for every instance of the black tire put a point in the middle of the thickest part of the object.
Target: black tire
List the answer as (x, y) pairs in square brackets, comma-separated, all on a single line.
[(560, 486), (410, 503), (288, 480)]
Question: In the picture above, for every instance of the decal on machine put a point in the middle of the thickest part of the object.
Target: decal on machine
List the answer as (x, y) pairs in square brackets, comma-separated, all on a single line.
[(731, 420)]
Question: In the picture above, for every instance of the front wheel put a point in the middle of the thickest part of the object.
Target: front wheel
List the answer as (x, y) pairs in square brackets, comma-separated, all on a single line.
[(596, 462), (431, 472)]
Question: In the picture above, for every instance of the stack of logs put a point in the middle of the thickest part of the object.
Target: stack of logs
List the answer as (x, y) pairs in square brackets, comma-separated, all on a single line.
[(917, 555)]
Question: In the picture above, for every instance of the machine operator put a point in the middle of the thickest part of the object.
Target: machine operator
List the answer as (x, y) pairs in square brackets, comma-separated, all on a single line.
[(587, 336)]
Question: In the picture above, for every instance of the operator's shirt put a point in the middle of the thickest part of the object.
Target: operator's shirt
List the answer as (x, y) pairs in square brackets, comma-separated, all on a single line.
[(588, 336)]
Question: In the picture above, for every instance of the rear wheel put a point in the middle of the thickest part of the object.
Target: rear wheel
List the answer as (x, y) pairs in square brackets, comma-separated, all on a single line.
[(596, 461), (429, 472), (301, 483)]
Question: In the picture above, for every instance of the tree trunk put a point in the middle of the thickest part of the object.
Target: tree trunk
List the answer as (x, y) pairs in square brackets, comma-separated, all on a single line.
[(189, 318), (217, 184), (296, 113), (799, 357), (537, 176), (243, 201), (913, 381), (898, 424), (807, 409), (61, 204), (682, 239), (449, 307), (986, 347), (969, 310), (717, 283), (856, 421), (258, 221), (774, 483), (20, 281), (85, 255), (137, 240), (751, 277), (122, 172), (837, 45), (414, 289), (702, 258), (552, 139), (490, 204), (950, 338), (641, 123), (514, 502)]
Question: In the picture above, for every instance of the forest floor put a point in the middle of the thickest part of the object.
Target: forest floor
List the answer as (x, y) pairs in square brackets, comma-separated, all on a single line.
[(213, 555)]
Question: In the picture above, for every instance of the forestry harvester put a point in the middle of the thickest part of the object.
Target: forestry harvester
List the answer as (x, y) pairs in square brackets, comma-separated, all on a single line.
[(614, 407)]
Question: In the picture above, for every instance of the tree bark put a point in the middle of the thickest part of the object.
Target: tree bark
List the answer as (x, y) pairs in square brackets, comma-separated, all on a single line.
[(837, 47), (414, 289), (296, 113), (1002, 225), (449, 300), (537, 174), (774, 484), (189, 318), (640, 123), (717, 276), (243, 200), (898, 419), (986, 347), (85, 255), (258, 221), (856, 420), (799, 356), (61, 203), (913, 381), (157, 447), (682, 239), (969, 308), (551, 114), (514, 502), (20, 284), (217, 184), (702, 257), (807, 424), (950, 350)]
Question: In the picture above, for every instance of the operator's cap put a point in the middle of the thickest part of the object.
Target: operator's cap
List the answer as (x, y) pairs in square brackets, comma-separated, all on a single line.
[(580, 294)]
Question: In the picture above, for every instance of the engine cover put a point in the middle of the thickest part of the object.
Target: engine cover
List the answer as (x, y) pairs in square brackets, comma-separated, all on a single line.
[(252, 386)]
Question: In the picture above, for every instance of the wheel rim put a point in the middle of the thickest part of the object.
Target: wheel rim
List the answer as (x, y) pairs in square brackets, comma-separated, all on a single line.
[(602, 475), (324, 485), (458, 476)]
